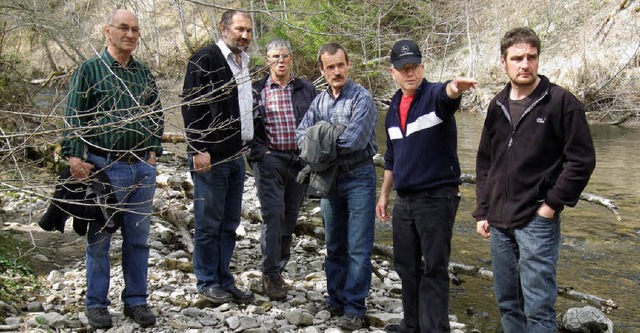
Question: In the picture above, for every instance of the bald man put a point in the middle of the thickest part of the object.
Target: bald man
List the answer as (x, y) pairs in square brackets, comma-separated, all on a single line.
[(117, 93)]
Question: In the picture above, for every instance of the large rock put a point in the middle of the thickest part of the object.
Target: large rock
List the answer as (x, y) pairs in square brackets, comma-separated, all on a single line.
[(586, 320)]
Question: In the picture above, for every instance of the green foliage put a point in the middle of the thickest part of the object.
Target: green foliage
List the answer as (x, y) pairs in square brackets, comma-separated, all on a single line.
[(17, 280)]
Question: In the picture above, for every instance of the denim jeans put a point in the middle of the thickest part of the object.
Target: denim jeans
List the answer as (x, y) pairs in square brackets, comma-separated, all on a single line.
[(349, 216), (524, 275), (422, 230), (134, 186), (280, 199), (217, 207)]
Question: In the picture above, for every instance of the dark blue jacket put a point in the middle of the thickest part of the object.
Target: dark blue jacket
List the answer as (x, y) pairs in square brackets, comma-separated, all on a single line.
[(425, 155), (302, 95)]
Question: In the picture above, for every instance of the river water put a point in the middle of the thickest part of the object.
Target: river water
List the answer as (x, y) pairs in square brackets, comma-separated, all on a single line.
[(599, 254)]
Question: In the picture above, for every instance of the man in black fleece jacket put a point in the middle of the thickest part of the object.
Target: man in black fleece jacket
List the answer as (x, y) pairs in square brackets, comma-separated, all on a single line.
[(535, 157)]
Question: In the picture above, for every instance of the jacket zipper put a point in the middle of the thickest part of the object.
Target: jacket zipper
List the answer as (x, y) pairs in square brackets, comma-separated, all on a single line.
[(509, 145)]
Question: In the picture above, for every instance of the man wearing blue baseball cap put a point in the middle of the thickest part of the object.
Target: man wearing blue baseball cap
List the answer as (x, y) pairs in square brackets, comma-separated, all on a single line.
[(421, 164)]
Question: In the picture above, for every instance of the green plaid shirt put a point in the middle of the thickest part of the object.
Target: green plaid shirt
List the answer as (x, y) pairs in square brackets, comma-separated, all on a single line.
[(112, 108)]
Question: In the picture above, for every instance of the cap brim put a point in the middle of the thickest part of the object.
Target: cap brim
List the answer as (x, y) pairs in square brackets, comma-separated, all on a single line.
[(407, 60)]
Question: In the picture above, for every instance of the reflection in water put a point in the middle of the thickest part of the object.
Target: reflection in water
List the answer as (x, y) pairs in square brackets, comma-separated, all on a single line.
[(599, 254)]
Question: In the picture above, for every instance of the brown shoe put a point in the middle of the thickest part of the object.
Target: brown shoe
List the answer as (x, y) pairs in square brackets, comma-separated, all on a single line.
[(283, 284), (273, 289)]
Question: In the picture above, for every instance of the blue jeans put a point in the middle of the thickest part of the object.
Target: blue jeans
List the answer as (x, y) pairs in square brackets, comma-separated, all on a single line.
[(349, 216), (134, 186), (422, 230), (524, 275), (217, 207), (280, 199)]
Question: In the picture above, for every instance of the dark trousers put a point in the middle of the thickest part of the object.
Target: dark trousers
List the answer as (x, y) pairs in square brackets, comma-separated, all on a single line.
[(422, 229), (280, 200)]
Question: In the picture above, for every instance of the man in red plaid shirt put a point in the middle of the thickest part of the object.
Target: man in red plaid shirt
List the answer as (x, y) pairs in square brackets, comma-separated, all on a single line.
[(280, 102)]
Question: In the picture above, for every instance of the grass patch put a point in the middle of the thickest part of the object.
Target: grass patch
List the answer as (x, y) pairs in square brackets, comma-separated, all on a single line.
[(18, 282)]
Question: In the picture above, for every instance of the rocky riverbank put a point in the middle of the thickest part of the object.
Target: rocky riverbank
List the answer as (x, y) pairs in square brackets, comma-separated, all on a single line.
[(172, 292), (174, 298)]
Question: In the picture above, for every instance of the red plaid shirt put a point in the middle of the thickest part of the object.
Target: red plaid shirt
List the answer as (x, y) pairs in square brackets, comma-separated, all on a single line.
[(280, 120)]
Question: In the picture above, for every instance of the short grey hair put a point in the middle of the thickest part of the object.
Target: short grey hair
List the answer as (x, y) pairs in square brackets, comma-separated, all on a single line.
[(277, 44)]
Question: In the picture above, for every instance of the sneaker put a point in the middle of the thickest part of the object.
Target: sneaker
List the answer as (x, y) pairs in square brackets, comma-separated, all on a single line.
[(217, 295), (350, 322), (273, 289), (334, 310), (99, 317), (141, 314), (240, 296)]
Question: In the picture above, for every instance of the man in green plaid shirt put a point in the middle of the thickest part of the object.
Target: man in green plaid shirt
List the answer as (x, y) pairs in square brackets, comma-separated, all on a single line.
[(114, 125)]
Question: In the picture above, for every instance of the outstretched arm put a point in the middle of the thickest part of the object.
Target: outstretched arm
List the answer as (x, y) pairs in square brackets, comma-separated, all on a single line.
[(457, 86)]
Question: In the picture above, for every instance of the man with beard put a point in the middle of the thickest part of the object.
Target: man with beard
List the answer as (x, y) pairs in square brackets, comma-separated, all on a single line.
[(280, 101), (535, 157), (219, 123)]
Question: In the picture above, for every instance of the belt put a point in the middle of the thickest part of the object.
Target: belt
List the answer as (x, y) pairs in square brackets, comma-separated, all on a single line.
[(351, 167), (442, 190), (129, 157)]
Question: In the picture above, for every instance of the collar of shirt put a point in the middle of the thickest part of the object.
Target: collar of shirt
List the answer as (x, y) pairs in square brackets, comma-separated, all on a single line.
[(345, 91), (271, 82), (109, 59), (230, 57)]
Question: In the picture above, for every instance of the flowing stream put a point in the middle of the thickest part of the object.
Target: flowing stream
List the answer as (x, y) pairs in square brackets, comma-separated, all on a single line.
[(599, 255)]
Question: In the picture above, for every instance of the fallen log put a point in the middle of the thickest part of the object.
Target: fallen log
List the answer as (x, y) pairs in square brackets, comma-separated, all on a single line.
[(569, 293), (601, 201)]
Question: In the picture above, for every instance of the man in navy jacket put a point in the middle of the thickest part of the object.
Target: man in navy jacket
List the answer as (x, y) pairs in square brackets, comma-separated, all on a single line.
[(421, 163)]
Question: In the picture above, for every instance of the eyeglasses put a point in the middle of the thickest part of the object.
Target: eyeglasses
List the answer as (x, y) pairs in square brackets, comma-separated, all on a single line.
[(126, 28), (408, 68), (277, 57)]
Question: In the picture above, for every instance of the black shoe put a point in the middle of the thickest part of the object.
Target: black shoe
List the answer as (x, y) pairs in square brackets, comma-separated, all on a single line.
[(240, 296), (272, 288), (393, 327), (99, 317), (217, 295), (141, 314), (334, 310), (350, 322)]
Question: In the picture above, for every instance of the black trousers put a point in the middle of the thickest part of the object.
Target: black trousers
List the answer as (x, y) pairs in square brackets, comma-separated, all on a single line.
[(280, 200), (422, 230)]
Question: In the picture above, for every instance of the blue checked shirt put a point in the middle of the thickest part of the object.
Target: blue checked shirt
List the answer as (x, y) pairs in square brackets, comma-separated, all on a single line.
[(355, 109)]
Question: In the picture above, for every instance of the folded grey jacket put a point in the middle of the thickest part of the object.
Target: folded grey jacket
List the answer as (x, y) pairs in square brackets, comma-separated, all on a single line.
[(319, 150)]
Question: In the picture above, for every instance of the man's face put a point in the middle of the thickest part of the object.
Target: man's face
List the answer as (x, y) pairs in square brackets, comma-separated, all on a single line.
[(280, 62), (408, 77), (335, 69), (238, 34), (521, 64), (123, 32)]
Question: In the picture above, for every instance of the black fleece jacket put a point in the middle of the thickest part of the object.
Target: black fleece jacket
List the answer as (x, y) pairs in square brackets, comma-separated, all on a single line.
[(549, 157)]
